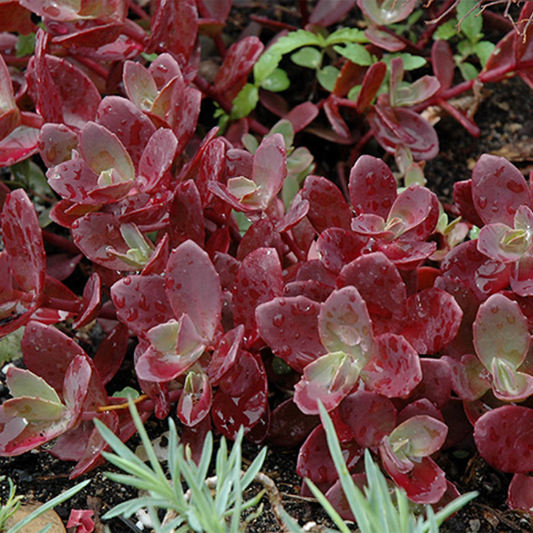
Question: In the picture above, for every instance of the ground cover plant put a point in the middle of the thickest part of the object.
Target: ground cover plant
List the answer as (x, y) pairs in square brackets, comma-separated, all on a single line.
[(246, 288)]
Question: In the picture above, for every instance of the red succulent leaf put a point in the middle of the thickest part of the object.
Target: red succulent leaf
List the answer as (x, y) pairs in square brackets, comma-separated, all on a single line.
[(501, 332), (520, 492), (258, 280), (482, 275), (9, 115), (378, 281), (193, 287), (185, 122), (212, 168), (302, 115), (186, 215), (470, 379), (20, 144), (436, 384), (289, 426), (315, 461), (18, 435), (443, 63), (91, 301), (327, 12), (23, 243), (290, 327), (42, 344), (498, 190), (522, 276), (335, 118), (97, 235), (501, 60), (344, 326), (503, 438), (141, 302), (462, 197), (369, 415), (174, 347), (404, 127), (195, 400), (260, 234), (388, 12), (424, 484), (95, 445), (371, 83), (327, 206), (111, 352), (82, 520), (372, 187), (77, 93), (174, 28), (226, 354), (238, 63), (417, 408), (337, 247), (407, 255), (330, 378), (132, 127), (394, 371), (241, 399), (440, 315), (56, 142), (15, 18), (156, 159)]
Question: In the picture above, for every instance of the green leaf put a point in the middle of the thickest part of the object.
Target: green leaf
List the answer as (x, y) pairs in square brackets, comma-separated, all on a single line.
[(356, 53), (25, 45), (10, 346), (276, 82), (410, 62), (446, 31), (294, 40), (266, 65), (286, 129), (483, 50), (242, 221), (346, 35), (327, 77), (468, 71), (49, 505), (308, 57), (470, 19), (245, 102), (126, 392)]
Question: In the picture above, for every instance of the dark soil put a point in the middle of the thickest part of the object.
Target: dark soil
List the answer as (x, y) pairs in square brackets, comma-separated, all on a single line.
[(504, 117)]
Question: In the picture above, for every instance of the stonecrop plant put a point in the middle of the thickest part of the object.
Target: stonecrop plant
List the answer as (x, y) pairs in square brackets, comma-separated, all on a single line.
[(244, 288)]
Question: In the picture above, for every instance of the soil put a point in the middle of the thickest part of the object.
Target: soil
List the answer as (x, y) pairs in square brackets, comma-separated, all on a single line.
[(504, 118)]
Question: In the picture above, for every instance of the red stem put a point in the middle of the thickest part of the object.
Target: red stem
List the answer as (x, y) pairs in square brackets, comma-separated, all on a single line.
[(139, 11), (432, 27), (98, 69), (304, 12)]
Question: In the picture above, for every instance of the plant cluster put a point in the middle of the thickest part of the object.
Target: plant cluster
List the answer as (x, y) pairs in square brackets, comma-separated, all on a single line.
[(231, 271)]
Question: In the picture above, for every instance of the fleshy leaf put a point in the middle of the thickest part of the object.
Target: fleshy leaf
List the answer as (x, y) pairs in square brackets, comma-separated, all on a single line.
[(315, 461), (498, 189), (501, 332), (290, 327), (503, 438), (394, 371), (258, 280), (193, 287), (329, 379), (372, 187), (195, 401), (344, 326), (369, 415), (440, 315)]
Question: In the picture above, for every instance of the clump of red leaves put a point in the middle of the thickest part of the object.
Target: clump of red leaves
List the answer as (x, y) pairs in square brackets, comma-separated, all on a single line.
[(412, 339)]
